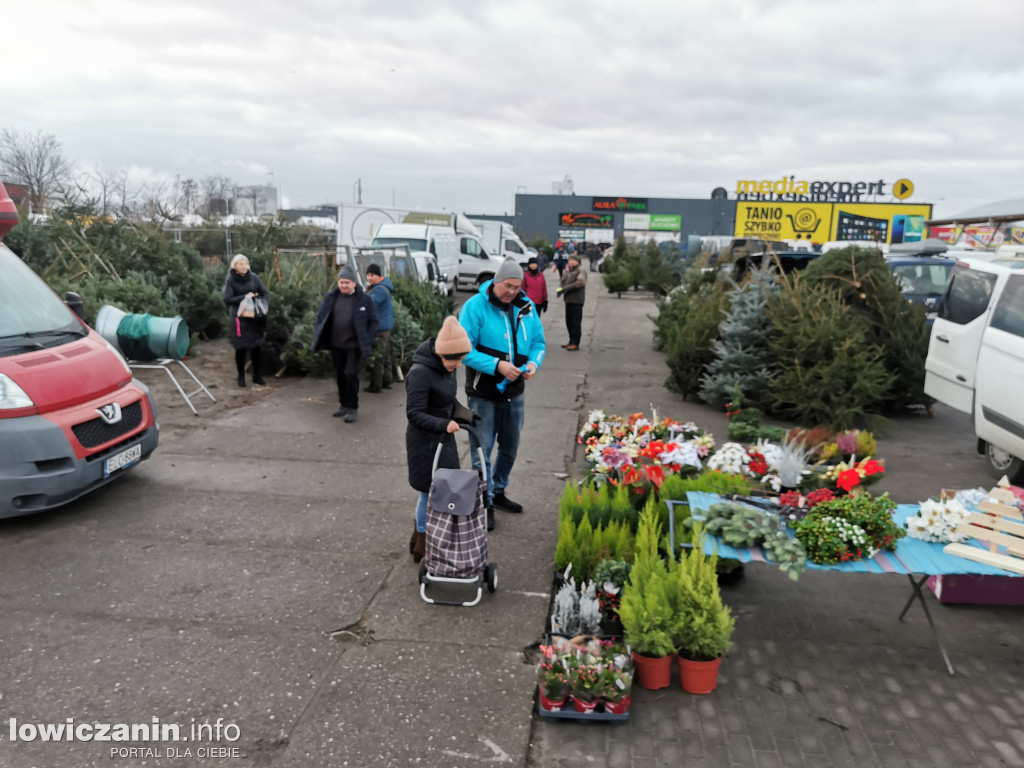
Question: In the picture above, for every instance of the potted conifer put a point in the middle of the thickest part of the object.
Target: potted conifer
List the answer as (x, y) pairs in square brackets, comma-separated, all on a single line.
[(704, 630), (647, 614)]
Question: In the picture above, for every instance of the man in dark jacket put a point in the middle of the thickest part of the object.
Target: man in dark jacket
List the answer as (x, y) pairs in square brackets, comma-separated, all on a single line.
[(380, 291), (574, 291), (346, 324), (508, 349)]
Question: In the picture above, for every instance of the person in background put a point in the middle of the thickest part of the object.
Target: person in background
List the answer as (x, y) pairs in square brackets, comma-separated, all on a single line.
[(380, 291), (560, 262), (247, 333), (593, 256), (573, 291), (535, 285), (542, 261), (508, 346), (430, 391), (346, 324)]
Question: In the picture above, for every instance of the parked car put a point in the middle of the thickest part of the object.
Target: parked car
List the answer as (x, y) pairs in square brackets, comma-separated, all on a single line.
[(922, 280), (72, 415), (790, 261), (976, 356)]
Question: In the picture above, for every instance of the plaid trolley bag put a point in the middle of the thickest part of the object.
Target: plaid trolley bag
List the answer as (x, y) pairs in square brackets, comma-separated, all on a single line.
[(457, 530)]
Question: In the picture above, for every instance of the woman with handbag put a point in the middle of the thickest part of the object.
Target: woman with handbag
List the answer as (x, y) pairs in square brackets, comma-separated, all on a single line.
[(246, 297)]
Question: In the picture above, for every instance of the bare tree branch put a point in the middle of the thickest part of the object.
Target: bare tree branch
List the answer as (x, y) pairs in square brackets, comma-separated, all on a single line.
[(36, 161)]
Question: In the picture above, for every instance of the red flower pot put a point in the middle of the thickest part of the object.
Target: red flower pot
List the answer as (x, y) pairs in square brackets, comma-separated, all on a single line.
[(652, 672), (583, 706), (620, 707), (699, 676), (550, 705)]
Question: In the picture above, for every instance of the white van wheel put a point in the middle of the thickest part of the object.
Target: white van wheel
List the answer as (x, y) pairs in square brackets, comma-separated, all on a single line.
[(1003, 463)]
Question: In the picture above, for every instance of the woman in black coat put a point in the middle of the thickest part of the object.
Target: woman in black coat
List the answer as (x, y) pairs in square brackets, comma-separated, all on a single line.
[(247, 333), (430, 389)]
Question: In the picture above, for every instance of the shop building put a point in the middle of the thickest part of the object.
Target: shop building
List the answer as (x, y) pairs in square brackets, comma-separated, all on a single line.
[(782, 209)]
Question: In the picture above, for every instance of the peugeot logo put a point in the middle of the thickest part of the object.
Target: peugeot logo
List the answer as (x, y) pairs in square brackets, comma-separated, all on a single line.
[(111, 414)]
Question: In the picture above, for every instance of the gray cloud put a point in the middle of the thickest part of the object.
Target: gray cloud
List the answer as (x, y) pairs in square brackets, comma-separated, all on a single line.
[(456, 103)]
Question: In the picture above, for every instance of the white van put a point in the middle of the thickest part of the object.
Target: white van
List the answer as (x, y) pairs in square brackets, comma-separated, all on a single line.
[(500, 238), (425, 238), (976, 356), (477, 263)]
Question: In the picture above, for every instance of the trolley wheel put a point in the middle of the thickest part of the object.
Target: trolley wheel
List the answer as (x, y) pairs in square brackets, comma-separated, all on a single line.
[(491, 577), (423, 573)]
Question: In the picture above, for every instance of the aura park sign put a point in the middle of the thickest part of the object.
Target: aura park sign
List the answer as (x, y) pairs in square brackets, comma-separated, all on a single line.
[(792, 190)]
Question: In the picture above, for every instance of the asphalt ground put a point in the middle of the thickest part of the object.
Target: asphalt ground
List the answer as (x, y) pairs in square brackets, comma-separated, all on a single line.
[(255, 571)]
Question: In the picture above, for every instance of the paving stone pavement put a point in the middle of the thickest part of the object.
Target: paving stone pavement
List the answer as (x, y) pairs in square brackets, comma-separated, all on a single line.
[(822, 673)]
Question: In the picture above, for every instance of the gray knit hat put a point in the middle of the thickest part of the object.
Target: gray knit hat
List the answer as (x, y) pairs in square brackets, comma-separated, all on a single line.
[(509, 270), (347, 273)]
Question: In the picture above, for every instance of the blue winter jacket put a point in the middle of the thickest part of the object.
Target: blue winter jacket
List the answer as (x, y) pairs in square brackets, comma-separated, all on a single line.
[(499, 332), (381, 295)]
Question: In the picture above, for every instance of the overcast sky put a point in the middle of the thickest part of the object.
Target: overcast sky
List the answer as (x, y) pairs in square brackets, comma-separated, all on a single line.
[(457, 104)]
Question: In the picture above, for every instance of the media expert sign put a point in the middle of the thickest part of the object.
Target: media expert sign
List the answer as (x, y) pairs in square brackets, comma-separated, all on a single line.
[(820, 222), (791, 189), (620, 203), (652, 222)]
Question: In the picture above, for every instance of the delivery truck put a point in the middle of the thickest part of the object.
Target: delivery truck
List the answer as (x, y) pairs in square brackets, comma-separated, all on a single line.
[(501, 239)]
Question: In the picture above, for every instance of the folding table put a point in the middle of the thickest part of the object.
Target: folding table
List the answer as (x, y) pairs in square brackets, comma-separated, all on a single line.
[(913, 557)]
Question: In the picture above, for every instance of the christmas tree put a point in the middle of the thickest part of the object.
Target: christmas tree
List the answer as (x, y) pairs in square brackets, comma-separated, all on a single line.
[(742, 357)]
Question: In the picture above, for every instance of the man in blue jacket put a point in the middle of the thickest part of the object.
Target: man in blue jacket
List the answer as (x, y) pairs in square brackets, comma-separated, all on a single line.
[(380, 291), (508, 346), (346, 324)]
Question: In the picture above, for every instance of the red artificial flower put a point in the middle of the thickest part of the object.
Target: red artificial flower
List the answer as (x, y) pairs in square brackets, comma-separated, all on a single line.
[(848, 480), (632, 476), (790, 499), (656, 475), (872, 467)]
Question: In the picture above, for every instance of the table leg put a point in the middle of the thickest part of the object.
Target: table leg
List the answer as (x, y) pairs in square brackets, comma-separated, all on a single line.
[(917, 593)]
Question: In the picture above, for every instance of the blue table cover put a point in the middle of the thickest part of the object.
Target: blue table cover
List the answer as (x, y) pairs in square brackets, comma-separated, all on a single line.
[(910, 556)]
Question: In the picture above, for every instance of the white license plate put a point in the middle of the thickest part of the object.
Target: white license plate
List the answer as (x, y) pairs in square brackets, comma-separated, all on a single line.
[(121, 460)]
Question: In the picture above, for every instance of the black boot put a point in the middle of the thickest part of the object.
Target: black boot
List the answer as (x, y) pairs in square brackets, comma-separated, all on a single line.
[(257, 367), (240, 366)]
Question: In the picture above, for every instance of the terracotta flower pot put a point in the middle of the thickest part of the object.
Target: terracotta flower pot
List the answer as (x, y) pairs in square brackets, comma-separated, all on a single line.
[(699, 676), (620, 707), (583, 706), (652, 672), (552, 705)]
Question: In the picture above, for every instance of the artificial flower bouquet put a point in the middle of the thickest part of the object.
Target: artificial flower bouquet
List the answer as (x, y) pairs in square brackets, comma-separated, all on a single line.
[(596, 674), (639, 452), (849, 528), (936, 521), (852, 477)]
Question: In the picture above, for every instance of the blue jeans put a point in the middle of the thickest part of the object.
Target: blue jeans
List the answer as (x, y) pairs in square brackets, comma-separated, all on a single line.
[(501, 422), (421, 513)]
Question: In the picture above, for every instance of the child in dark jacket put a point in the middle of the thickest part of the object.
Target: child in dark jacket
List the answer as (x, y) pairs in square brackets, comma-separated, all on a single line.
[(430, 405)]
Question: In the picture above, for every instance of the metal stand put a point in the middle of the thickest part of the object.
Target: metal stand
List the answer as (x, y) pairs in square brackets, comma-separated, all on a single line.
[(916, 587), (165, 365)]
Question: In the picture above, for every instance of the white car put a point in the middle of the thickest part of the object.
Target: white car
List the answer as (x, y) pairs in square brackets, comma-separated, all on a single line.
[(976, 356)]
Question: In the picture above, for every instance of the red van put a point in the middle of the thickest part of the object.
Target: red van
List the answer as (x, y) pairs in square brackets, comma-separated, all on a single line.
[(72, 416)]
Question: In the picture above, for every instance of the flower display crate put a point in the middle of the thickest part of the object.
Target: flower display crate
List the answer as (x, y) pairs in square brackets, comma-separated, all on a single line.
[(568, 712), (970, 589)]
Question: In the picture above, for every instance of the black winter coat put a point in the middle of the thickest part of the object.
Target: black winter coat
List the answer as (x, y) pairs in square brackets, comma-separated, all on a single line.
[(365, 319), (244, 332), (429, 403)]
